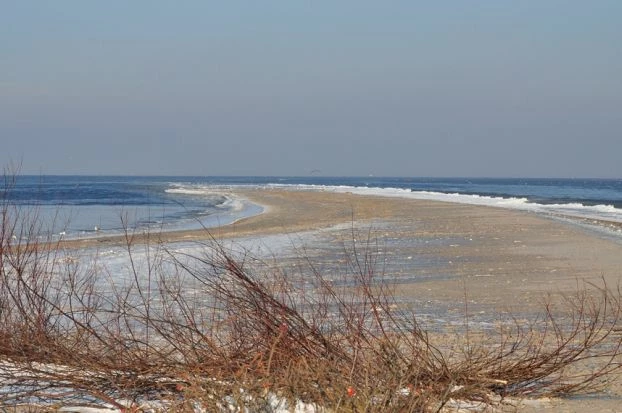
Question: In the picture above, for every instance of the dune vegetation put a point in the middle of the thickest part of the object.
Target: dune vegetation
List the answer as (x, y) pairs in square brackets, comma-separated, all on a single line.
[(219, 330)]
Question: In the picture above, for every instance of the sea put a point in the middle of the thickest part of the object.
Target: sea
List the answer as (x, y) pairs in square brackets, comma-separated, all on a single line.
[(92, 206)]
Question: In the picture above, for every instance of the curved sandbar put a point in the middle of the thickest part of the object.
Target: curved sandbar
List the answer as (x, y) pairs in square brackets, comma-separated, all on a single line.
[(501, 257)]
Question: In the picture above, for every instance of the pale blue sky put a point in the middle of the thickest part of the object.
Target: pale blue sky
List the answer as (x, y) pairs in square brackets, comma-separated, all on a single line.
[(402, 88)]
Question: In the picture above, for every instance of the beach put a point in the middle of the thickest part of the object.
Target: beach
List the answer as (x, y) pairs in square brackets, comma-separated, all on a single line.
[(448, 259), (496, 260), (502, 257)]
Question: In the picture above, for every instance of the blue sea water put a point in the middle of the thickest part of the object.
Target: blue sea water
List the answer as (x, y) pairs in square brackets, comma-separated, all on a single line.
[(89, 205)]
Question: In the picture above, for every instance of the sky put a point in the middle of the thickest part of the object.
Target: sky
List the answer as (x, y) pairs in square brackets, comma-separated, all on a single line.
[(497, 88)]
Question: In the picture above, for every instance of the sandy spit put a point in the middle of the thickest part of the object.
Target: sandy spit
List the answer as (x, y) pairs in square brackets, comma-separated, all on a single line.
[(500, 260)]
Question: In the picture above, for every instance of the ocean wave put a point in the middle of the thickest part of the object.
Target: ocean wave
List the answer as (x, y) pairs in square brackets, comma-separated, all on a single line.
[(233, 204), (217, 196), (208, 194)]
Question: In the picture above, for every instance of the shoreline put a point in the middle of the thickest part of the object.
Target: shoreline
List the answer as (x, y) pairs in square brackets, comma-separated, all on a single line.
[(445, 257), (485, 261), (602, 226), (490, 243)]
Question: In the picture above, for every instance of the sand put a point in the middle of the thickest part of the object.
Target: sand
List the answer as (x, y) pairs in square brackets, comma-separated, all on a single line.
[(499, 259), (493, 259), (505, 257)]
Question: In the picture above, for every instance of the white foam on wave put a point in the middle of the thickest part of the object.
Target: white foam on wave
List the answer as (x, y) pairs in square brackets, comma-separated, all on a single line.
[(196, 190), (232, 205), (219, 197), (186, 191)]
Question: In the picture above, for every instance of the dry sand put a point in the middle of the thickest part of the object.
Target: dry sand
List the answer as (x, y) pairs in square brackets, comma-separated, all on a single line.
[(498, 259)]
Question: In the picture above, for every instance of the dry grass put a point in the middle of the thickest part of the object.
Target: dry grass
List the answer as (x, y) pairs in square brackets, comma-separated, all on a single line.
[(217, 330)]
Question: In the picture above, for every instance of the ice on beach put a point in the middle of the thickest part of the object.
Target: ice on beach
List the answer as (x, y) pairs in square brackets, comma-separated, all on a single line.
[(86, 409), (273, 403)]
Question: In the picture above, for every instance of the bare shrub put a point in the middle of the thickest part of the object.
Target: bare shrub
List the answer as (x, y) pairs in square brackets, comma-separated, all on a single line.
[(218, 329)]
